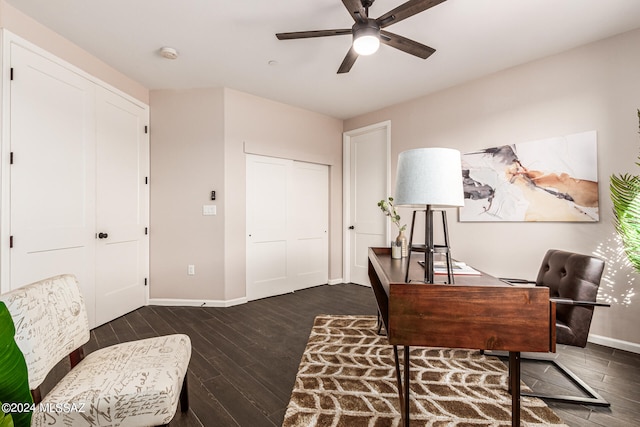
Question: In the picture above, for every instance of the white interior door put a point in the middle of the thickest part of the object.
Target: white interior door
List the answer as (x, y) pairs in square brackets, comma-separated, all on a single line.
[(287, 225), (52, 182), (368, 182), (121, 214)]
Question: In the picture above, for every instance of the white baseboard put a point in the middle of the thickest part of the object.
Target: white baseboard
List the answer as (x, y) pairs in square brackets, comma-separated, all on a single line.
[(196, 303), (335, 281), (615, 343)]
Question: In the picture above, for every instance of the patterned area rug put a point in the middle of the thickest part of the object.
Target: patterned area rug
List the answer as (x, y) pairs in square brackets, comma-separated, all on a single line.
[(347, 378)]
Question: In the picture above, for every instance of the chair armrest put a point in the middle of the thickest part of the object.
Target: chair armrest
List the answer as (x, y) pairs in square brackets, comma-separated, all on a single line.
[(568, 301), (520, 281)]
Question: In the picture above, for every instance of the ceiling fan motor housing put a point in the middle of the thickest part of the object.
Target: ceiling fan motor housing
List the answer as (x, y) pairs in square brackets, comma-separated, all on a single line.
[(367, 35), (368, 27)]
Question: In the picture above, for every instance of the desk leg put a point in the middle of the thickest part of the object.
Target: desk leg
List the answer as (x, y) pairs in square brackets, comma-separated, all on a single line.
[(406, 386), (514, 387), (399, 379), (403, 389)]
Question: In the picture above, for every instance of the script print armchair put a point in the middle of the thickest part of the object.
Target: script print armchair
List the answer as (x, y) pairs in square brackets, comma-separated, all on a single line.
[(573, 281), (137, 383)]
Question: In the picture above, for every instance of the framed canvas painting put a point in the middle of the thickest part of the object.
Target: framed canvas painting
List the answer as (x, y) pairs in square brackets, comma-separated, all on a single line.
[(554, 179)]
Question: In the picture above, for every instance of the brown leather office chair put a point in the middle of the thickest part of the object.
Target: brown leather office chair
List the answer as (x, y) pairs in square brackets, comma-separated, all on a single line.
[(573, 280)]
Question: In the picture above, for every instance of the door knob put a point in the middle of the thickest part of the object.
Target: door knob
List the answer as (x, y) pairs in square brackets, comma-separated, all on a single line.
[(102, 235), (352, 228)]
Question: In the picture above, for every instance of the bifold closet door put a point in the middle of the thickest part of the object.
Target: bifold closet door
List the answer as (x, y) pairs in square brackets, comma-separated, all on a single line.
[(52, 179), (287, 226)]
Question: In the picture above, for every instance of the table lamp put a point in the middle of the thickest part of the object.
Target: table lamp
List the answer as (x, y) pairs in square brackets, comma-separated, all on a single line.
[(429, 178)]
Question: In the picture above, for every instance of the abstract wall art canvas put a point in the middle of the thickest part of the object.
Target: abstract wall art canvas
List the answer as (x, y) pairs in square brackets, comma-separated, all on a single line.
[(553, 179)]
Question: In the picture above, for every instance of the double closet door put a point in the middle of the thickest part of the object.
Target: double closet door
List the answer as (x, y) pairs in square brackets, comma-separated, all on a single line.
[(287, 226), (78, 184)]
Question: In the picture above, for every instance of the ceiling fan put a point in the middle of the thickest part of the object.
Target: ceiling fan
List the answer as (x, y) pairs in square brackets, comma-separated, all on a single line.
[(368, 33)]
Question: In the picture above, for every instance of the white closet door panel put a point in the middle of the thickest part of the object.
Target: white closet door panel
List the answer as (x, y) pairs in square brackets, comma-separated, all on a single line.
[(119, 285), (270, 269), (287, 226), (52, 180), (310, 218), (121, 208), (267, 226)]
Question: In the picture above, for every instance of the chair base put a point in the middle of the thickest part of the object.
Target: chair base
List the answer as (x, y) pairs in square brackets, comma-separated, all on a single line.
[(593, 397)]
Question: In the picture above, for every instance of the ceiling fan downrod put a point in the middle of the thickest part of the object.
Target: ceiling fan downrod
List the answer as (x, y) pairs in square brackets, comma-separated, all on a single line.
[(367, 4)]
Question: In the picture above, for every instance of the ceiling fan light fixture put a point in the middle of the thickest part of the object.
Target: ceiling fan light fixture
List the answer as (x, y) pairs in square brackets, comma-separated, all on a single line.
[(366, 38)]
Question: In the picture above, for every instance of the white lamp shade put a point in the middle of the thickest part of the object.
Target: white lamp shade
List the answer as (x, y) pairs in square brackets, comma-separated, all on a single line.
[(429, 176)]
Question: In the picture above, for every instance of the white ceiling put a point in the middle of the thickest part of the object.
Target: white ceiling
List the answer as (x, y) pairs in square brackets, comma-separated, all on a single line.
[(230, 43)]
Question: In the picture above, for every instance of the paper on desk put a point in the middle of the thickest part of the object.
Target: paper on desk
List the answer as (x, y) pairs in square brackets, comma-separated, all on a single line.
[(440, 267)]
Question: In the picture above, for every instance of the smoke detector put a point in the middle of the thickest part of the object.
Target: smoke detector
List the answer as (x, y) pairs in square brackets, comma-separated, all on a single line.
[(168, 53)]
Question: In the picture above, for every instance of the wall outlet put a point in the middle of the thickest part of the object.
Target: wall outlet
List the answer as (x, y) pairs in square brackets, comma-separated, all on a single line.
[(209, 210), (191, 270)]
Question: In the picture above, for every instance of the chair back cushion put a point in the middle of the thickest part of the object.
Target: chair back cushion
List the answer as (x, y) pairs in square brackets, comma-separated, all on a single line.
[(50, 320), (573, 276)]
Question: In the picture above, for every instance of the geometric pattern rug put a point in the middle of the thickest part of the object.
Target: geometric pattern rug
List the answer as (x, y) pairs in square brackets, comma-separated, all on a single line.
[(347, 378)]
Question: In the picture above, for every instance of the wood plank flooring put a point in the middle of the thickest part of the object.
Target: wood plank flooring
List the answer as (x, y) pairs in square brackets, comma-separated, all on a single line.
[(245, 358)]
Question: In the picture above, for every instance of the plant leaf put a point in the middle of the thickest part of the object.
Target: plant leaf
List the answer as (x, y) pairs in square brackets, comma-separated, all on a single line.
[(625, 196)]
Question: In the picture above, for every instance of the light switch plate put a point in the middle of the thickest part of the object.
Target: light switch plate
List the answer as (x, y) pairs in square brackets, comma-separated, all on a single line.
[(208, 209)]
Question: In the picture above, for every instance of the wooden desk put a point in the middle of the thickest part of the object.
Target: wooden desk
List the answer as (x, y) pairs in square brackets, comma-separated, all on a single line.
[(477, 312)]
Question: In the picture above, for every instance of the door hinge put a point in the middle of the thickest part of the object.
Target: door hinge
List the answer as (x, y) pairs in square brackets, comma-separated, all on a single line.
[(146, 230), (146, 129), (145, 281), (11, 74), (10, 242), (11, 158)]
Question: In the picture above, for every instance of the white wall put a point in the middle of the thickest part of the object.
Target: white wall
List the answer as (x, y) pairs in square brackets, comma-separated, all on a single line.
[(594, 87)]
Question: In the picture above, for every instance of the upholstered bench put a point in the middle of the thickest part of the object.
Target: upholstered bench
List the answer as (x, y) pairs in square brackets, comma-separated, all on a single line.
[(136, 383)]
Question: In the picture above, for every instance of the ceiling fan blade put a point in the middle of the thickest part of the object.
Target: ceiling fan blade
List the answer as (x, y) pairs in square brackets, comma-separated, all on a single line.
[(309, 34), (356, 10), (406, 45), (406, 10), (348, 61)]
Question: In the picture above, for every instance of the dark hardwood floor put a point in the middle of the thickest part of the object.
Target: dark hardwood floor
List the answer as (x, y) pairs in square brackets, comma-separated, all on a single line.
[(245, 358)]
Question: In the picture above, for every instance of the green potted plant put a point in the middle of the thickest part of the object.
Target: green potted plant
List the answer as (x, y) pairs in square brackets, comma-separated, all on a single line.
[(14, 382), (389, 210), (5, 420), (625, 195)]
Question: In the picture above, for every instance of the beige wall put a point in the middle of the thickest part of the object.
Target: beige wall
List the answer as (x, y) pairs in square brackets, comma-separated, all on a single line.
[(199, 139), (595, 87), (259, 126), (29, 29), (187, 163)]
